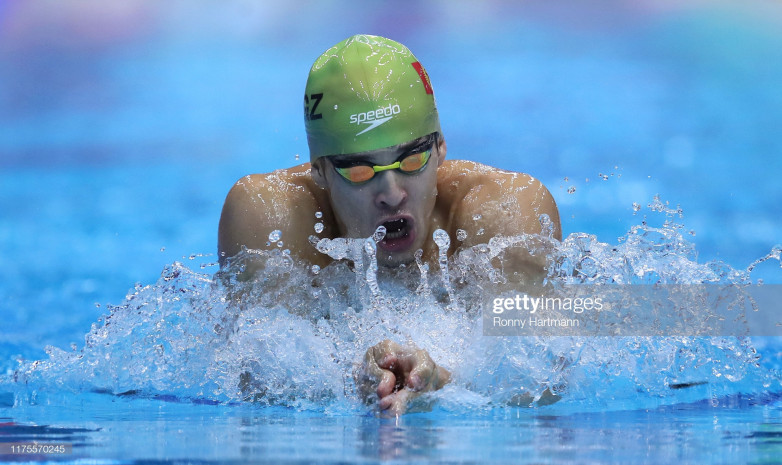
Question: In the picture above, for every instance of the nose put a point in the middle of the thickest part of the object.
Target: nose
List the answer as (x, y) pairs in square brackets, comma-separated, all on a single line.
[(390, 193)]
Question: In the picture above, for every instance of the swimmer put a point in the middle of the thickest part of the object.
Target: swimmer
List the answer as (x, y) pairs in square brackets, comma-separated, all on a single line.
[(378, 158)]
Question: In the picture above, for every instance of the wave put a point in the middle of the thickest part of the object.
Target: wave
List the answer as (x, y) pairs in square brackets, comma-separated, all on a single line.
[(293, 333)]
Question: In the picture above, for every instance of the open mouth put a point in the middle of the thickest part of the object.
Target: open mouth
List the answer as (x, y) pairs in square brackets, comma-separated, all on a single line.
[(395, 228), (399, 234)]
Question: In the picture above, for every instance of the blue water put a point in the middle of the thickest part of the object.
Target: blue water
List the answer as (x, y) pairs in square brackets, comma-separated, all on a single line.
[(122, 128)]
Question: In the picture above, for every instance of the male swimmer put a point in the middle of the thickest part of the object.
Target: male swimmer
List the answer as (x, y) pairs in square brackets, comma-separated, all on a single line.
[(377, 157)]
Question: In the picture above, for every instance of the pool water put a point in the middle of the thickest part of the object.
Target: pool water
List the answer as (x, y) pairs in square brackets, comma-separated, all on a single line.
[(123, 127), (137, 429)]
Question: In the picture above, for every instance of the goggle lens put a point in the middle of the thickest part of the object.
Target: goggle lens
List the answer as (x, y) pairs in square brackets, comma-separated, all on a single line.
[(414, 162), (358, 174)]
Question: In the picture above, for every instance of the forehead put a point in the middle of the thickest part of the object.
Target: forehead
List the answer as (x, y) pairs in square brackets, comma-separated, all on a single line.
[(381, 155)]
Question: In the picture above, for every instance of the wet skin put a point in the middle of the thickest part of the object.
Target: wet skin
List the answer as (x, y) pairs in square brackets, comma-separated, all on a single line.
[(450, 195), (395, 375), (402, 202)]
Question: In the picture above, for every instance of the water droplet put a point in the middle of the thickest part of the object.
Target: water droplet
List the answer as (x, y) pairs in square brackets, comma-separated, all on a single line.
[(423, 268), (442, 239), (379, 234), (476, 217), (296, 156), (275, 235), (279, 244), (162, 249), (566, 179), (571, 189), (318, 228), (604, 177), (480, 232), (546, 225), (461, 234), (636, 206), (336, 107), (315, 269), (318, 215), (370, 248)]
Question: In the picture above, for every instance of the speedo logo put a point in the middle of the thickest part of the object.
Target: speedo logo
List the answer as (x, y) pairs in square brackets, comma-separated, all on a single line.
[(374, 118)]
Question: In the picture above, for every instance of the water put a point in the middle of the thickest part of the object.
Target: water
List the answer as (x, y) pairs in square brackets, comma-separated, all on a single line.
[(133, 428), (179, 358), (111, 193)]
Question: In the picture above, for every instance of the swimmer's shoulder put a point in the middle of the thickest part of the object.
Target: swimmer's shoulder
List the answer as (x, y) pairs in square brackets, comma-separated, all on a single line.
[(457, 178), (282, 180), (512, 199), (257, 204), (283, 187)]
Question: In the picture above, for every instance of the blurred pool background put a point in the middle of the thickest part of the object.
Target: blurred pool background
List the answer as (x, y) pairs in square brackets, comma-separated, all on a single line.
[(124, 124)]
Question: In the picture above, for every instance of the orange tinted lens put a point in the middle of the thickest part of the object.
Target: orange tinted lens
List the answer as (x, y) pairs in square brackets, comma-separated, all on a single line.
[(414, 162), (360, 173)]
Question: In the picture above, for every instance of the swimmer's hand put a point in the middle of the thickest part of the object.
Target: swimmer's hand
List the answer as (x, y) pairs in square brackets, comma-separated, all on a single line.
[(395, 375)]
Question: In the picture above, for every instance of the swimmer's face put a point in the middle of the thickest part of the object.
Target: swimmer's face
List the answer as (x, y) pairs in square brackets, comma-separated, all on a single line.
[(401, 201)]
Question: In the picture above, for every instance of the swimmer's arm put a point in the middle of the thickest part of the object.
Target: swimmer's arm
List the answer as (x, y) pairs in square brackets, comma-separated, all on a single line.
[(507, 204)]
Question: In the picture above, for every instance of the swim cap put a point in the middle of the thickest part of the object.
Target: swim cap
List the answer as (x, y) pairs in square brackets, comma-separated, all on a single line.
[(366, 93)]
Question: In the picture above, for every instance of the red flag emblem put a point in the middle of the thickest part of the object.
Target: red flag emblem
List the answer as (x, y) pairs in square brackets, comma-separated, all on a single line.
[(424, 77)]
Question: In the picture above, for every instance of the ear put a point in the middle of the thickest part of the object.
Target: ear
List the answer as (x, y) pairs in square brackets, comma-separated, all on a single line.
[(318, 172), (442, 149)]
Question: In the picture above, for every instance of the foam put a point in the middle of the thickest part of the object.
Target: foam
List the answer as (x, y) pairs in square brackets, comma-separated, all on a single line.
[(293, 334)]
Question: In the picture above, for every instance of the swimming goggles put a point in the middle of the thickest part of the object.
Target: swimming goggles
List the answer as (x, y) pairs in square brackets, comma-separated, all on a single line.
[(413, 161)]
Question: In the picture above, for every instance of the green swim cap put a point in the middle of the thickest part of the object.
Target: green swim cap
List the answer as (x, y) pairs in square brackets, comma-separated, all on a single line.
[(366, 93)]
